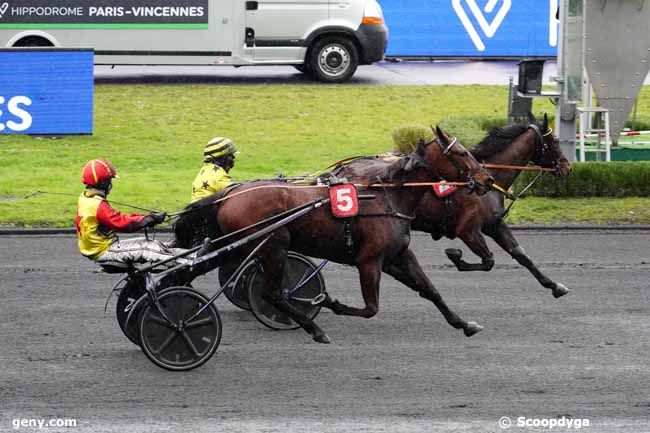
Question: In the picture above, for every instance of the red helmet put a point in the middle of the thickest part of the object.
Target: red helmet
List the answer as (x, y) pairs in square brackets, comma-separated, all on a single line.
[(98, 171)]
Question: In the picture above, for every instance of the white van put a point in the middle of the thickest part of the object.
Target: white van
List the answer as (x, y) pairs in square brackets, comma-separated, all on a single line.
[(326, 39)]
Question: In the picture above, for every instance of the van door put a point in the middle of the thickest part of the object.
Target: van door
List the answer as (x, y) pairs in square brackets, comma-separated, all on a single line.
[(276, 28)]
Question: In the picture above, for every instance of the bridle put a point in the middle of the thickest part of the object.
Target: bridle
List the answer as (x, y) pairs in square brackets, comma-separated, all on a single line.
[(446, 150), (542, 148)]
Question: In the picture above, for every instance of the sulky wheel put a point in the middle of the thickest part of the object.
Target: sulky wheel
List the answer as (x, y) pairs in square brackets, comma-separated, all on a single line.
[(237, 290), (129, 294), (298, 269), (174, 344)]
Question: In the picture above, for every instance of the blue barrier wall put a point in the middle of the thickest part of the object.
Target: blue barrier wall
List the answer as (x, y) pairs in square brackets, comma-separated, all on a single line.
[(46, 92), (471, 28)]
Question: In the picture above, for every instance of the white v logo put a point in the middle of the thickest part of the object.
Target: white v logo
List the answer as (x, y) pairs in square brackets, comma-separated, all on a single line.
[(489, 29), (3, 9)]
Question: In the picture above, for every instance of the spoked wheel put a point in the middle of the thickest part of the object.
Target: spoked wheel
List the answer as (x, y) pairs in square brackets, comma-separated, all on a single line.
[(298, 270), (131, 292), (237, 290), (175, 344)]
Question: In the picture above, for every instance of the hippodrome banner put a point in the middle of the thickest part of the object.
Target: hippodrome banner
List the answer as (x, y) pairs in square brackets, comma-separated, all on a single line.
[(102, 14), (46, 91), (471, 28)]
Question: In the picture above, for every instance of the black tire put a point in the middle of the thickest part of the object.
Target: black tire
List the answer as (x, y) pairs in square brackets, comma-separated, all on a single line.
[(129, 294), (33, 41), (179, 348), (333, 59), (237, 290), (299, 267)]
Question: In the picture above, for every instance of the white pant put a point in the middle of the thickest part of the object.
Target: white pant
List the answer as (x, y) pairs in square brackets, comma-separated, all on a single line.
[(140, 250)]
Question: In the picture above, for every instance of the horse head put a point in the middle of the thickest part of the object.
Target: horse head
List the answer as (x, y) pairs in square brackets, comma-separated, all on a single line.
[(449, 158), (548, 153)]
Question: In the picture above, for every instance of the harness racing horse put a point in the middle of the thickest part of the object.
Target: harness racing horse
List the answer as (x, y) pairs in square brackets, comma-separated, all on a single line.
[(377, 239), (470, 216)]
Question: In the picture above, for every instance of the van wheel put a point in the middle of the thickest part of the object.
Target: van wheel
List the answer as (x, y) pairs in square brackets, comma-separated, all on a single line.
[(333, 59), (33, 41)]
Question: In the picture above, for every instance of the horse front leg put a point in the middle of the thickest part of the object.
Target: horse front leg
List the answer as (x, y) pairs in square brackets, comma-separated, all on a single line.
[(503, 236), (408, 271), (369, 277), (475, 240)]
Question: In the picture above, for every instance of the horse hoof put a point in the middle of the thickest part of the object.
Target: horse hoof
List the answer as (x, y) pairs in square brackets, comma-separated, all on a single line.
[(472, 328), (454, 253), (322, 338), (560, 290)]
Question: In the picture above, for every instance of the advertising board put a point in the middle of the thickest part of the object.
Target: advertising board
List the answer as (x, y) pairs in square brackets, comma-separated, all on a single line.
[(46, 91), (472, 28)]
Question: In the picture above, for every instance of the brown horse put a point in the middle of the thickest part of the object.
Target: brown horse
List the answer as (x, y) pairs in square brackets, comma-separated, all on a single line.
[(470, 216), (375, 240)]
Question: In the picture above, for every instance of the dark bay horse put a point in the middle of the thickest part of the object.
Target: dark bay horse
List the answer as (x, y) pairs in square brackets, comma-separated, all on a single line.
[(471, 216), (376, 240)]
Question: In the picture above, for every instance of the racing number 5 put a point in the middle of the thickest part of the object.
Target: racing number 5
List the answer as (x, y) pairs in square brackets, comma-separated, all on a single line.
[(344, 201)]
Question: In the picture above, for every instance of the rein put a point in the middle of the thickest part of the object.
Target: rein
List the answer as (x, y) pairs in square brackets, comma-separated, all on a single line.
[(505, 212), (36, 193), (520, 167), (358, 185)]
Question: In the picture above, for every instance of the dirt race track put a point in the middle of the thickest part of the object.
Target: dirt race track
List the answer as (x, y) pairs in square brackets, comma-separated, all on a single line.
[(584, 356)]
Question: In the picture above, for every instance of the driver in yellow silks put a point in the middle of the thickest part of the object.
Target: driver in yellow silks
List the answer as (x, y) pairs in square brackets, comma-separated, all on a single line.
[(219, 159)]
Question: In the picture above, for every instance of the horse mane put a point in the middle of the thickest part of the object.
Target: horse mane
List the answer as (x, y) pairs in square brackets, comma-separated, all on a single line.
[(384, 166), (497, 140), (196, 223)]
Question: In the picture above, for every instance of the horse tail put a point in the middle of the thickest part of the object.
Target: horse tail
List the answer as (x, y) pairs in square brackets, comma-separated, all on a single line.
[(198, 221)]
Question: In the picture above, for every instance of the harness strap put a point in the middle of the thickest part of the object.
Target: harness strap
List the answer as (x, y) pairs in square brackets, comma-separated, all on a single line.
[(395, 212), (447, 218), (388, 214), (538, 133), (347, 233), (453, 141)]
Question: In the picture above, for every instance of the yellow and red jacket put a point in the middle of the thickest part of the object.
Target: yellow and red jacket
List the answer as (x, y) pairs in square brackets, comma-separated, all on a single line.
[(97, 222), (210, 179)]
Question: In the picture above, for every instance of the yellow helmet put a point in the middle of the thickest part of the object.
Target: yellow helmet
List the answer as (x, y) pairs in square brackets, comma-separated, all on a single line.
[(219, 146)]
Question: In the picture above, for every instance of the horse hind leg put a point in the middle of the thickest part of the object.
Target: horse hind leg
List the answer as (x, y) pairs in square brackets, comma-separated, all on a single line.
[(305, 323), (407, 270), (274, 259)]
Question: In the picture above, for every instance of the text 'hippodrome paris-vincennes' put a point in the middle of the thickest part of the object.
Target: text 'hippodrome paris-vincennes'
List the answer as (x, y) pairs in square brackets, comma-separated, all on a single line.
[(110, 11)]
